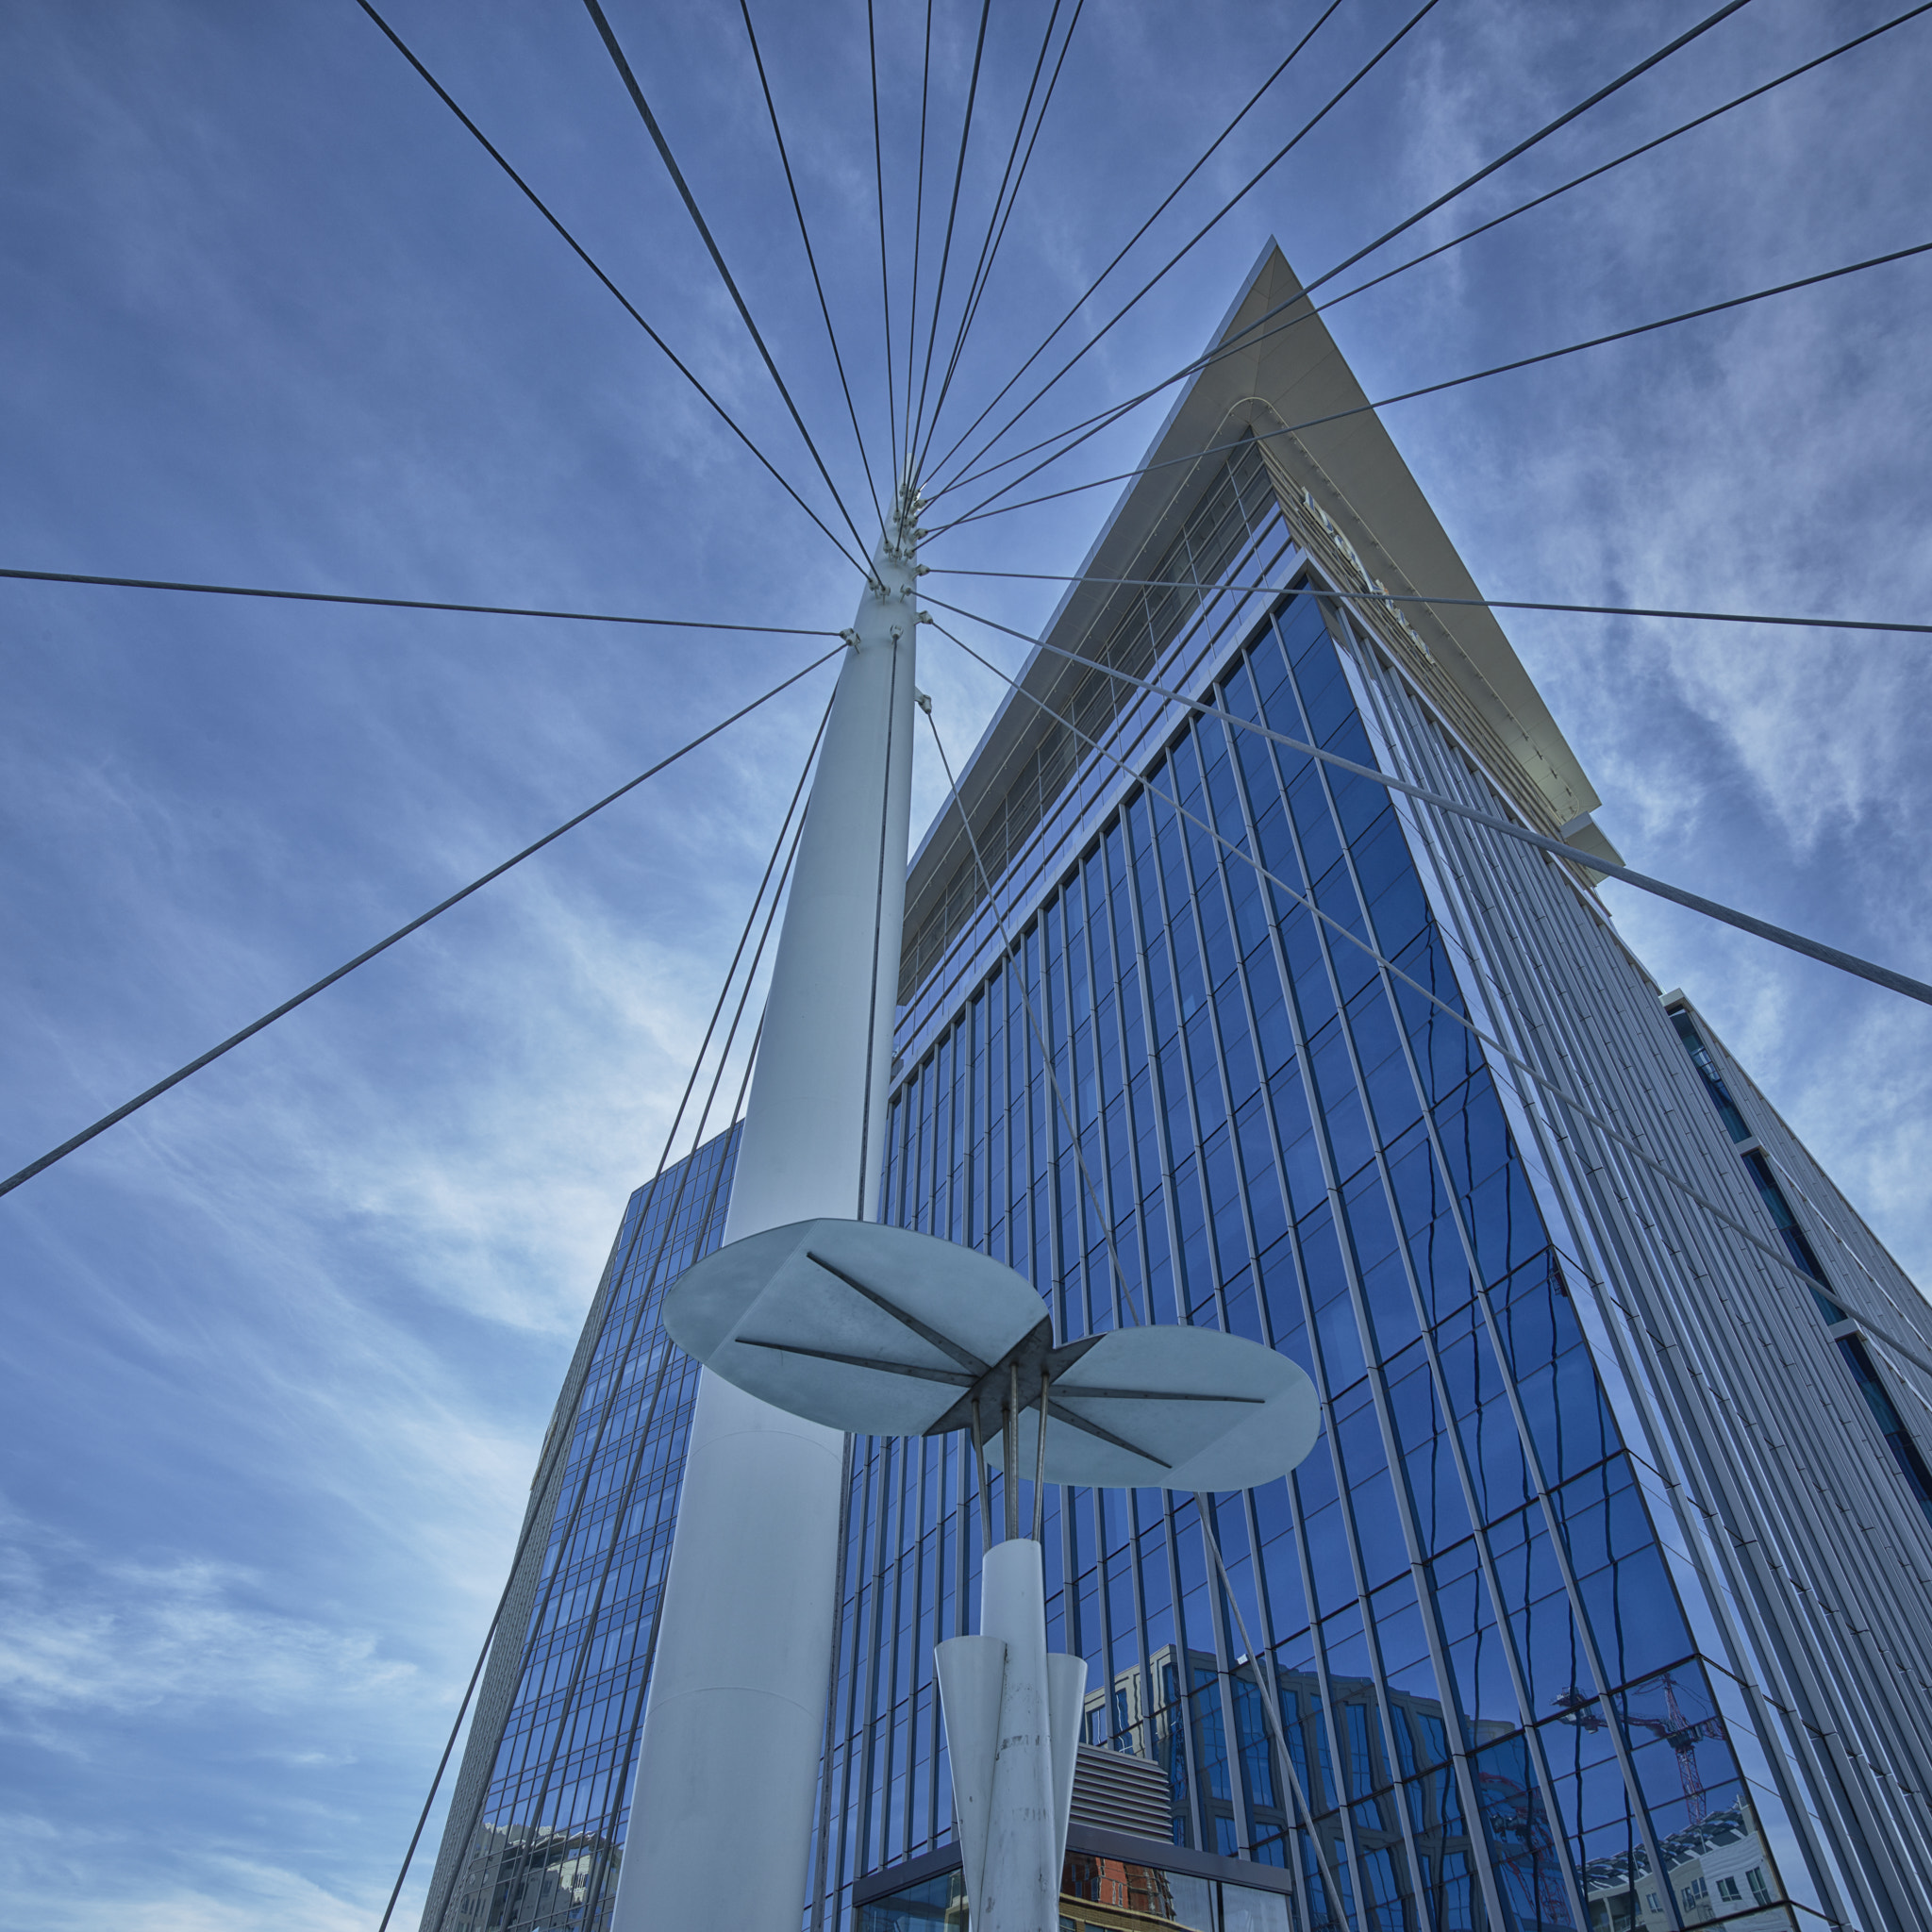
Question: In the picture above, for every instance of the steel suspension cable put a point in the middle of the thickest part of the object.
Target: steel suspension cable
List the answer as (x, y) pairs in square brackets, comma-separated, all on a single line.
[(1026, 161), (402, 932), (625, 1353), (996, 226), (1087, 294), (878, 163), (918, 248), (1228, 208), (1482, 174), (628, 1487), (621, 63), (553, 1450), (1248, 338), (939, 297), (812, 261), (989, 507), (778, 846), (545, 1465), (1101, 1219), (629, 307), (1683, 127), (1542, 134), (1575, 1107), (68, 576), (704, 1220), (1271, 1703), (1103, 1222), (1390, 597), (1745, 922)]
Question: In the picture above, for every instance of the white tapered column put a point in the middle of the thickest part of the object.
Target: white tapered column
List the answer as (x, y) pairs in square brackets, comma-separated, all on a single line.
[(721, 1810), (1022, 1886), (1012, 1714)]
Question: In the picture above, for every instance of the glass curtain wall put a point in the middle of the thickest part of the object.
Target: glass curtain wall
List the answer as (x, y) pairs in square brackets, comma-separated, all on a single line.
[(549, 1825), (1490, 1702), (1856, 1357)]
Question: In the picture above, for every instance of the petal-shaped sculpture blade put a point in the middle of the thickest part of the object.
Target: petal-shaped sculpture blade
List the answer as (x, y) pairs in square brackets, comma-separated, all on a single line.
[(1181, 1409), (884, 1332), (876, 1330)]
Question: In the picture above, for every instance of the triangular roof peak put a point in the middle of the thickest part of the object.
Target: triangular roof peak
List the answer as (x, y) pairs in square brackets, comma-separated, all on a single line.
[(1288, 372), (1337, 472)]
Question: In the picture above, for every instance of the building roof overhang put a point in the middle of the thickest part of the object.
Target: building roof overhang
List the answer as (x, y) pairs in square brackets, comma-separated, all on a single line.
[(1292, 387)]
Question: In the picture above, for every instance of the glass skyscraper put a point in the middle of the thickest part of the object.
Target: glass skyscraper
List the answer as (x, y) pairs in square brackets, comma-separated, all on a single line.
[(537, 1816), (1602, 1602)]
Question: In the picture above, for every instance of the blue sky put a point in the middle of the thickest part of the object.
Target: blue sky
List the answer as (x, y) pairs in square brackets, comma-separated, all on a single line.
[(279, 1353)]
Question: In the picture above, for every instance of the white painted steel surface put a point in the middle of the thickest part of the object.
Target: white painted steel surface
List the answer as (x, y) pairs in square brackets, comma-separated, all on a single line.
[(1021, 1885), (770, 1289), (801, 1316), (721, 1809), (1012, 1779), (1204, 1439), (1066, 1705), (971, 1676)]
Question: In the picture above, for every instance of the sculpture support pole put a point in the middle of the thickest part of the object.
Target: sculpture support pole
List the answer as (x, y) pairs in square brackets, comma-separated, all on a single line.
[(1010, 1443), (1012, 1715), (719, 1829), (1020, 1891), (1040, 1463)]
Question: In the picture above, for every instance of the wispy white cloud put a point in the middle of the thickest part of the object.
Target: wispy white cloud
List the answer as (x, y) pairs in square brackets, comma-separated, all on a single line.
[(84, 1632), (280, 1352), (54, 1879)]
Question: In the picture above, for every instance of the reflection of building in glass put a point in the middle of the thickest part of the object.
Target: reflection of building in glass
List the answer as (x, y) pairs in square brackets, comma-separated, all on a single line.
[(1715, 1869), (1127, 1896), (1602, 1602), (1102, 1894), (929, 1905), (1355, 1765), (517, 1876), (1098, 1893)]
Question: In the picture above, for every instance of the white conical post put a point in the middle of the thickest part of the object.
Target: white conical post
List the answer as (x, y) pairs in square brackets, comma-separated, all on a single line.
[(1012, 1714), (720, 1831), (972, 1673), (1021, 1885)]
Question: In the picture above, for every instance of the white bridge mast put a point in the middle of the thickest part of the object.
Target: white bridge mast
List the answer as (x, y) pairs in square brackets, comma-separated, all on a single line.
[(721, 1809)]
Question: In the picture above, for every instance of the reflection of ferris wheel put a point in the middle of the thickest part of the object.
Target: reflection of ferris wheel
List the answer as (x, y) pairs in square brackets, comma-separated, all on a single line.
[(1521, 1832)]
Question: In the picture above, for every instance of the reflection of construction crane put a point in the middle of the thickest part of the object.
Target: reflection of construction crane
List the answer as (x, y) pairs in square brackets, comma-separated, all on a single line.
[(1679, 1732), (1522, 1833)]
